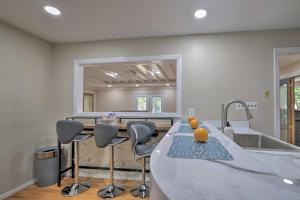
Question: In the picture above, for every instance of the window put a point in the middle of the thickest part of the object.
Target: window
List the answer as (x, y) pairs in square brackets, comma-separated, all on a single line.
[(142, 103), (88, 102), (297, 98), (157, 104), (149, 102), (84, 80)]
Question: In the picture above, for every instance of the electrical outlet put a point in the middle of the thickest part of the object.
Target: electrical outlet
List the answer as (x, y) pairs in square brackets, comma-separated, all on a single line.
[(251, 105)]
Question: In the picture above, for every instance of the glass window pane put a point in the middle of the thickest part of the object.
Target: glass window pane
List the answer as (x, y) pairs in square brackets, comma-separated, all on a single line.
[(156, 104), (297, 98), (142, 103)]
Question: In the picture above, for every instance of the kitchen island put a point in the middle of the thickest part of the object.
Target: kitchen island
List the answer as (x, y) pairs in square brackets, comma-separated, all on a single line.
[(243, 177)]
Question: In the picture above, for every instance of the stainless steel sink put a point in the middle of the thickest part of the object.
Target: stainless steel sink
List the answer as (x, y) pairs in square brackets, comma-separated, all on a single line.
[(262, 142)]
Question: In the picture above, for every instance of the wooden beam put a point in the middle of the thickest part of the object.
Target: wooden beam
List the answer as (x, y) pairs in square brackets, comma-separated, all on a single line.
[(163, 72)]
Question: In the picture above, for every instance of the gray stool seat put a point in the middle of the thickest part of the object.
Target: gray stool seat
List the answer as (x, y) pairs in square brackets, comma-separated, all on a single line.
[(143, 137), (82, 137), (139, 133), (106, 135), (70, 131), (145, 149), (118, 140), (67, 130)]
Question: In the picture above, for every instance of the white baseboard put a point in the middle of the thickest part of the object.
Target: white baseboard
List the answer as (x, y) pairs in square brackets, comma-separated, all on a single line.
[(17, 189)]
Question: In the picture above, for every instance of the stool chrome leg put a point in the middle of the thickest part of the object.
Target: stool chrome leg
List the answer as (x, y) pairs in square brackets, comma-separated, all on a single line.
[(142, 190), (111, 190), (76, 187)]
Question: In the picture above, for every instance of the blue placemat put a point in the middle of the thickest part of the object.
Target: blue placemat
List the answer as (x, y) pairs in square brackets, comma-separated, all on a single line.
[(186, 147), (185, 121), (186, 128)]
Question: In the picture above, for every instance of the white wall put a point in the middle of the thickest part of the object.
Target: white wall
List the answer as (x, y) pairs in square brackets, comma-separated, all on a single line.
[(115, 99), (26, 84), (216, 69)]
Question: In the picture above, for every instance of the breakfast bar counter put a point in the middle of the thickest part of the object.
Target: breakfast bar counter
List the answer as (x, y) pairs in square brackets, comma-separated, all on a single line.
[(123, 127), (242, 177)]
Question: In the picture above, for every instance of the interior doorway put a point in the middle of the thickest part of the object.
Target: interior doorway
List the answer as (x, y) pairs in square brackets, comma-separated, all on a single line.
[(289, 97), (287, 110)]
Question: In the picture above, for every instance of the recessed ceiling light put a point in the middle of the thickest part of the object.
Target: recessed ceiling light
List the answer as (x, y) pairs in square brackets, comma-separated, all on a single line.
[(155, 69), (168, 84), (52, 10), (112, 74), (287, 181), (200, 14), (108, 85), (137, 85), (152, 73)]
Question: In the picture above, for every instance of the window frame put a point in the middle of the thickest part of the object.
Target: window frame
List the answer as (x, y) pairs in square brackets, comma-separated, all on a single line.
[(149, 96), (79, 75)]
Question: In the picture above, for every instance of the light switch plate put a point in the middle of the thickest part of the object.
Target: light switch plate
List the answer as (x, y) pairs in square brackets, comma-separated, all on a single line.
[(267, 94), (251, 105)]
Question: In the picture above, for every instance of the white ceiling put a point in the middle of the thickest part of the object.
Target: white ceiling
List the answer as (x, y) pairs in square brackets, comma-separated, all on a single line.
[(288, 60), (87, 20)]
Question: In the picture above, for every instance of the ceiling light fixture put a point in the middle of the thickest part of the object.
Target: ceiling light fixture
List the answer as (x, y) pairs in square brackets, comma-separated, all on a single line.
[(137, 85), (52, 10), (200, 14), (112, 74), (287, 181), (167, 84), (109, 85), (151, 73), (155, 69)]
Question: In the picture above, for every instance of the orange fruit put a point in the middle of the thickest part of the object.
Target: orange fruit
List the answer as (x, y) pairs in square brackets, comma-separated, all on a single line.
[(200, 135), (191, 118), (194, 123)]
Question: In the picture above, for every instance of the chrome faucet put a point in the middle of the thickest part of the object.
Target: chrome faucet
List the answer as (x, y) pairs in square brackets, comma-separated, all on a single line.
[(224, 111)]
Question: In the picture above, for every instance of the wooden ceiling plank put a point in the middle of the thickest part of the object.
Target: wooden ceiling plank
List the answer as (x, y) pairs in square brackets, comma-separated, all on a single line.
[(161, 68)]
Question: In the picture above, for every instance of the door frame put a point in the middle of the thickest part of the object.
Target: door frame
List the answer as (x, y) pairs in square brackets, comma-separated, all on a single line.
[(276, 53)]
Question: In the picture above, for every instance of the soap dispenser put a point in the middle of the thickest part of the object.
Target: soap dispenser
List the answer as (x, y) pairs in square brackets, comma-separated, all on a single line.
[(228, 131)]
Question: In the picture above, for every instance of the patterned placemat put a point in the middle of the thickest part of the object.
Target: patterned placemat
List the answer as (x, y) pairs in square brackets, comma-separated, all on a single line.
[(186, 147), (186, 128)]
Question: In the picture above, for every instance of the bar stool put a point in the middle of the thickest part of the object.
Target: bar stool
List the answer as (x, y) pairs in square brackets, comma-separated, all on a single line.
[(106, 135), (151, 126), (138, 136), (70, 131)]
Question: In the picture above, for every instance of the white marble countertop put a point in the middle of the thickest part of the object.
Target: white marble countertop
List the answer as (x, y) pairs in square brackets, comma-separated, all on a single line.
[(245, 177)]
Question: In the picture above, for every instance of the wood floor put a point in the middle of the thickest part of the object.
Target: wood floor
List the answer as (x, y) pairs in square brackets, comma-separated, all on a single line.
[(53, 192)]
